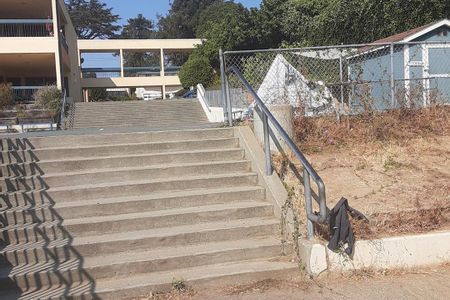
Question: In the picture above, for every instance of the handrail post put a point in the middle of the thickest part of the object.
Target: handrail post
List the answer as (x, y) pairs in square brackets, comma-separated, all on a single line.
[(267, 152), (308, 203), (223, 76), (229, 106)]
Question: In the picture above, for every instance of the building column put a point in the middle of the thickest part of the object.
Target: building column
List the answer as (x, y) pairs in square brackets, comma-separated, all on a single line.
[(86, 95), (59, 75), (163, 87), (122, 72), (162, 62), (163, 91)]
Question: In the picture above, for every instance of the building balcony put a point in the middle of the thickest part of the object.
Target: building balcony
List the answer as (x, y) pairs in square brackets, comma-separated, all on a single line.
[(25, 94), (129, 72), (26, 28)]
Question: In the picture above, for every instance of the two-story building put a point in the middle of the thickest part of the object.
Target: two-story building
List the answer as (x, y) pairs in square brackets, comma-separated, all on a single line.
[(39, 46)]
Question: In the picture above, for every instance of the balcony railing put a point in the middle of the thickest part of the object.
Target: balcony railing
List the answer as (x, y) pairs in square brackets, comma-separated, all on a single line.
[(142, 71), (129, 72), (24, 94), (172, 71), (101, 72), (26, 27)]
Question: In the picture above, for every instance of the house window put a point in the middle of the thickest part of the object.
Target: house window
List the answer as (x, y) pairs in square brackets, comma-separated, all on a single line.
[(443, 33)]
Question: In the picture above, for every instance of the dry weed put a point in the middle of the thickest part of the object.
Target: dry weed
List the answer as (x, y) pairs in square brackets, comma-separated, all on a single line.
[(316, 134), (265, 285), (186, 294)]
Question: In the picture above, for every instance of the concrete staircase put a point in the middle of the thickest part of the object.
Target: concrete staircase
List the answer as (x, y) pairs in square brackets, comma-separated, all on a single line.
[(154, 114), (115, 215)]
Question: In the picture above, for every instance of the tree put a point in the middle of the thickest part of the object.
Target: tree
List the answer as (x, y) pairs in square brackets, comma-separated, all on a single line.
[(196, 70), (267, 22), (223, 25), (92, 19), (138, 28), (182, 19), (317, 22), (98, 94)]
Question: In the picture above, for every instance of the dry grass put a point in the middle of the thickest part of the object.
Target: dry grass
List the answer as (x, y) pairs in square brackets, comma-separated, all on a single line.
[(266, 285), (317, 134), (186, 294), (403, 222), (393, 167)]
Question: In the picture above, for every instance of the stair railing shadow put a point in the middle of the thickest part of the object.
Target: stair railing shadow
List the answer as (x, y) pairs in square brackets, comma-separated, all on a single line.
[(36, 250)]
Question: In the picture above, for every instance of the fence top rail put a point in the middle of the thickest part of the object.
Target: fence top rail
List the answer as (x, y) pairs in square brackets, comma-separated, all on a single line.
[(281, 50)]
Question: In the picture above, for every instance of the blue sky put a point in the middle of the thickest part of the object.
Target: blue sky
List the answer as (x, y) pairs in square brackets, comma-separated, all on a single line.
[(150, 8)]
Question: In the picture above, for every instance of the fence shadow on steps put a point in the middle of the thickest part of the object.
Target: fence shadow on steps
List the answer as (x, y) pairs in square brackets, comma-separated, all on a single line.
[(37, 257)]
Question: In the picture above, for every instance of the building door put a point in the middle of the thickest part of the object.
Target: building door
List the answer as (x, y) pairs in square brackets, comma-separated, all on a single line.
[(437, 73)]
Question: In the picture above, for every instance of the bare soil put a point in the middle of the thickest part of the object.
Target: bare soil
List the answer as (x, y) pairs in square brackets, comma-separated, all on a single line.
[(400, 188), (392, 168)]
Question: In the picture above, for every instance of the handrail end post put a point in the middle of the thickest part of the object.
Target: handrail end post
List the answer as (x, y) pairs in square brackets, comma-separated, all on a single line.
[(267, 151)]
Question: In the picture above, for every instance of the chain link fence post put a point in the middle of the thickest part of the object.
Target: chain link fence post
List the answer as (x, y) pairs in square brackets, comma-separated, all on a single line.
[(223, 85), (393, 100)]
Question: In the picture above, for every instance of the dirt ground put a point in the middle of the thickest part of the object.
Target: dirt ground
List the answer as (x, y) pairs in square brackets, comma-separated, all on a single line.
[(387, 177), (401, 187), (432, 283)]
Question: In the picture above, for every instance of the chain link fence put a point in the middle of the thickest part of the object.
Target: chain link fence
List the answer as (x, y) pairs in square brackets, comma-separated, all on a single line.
[(340, 80), (344, 79)]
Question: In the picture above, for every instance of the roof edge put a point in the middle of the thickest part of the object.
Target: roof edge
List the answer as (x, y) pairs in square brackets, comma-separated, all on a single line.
[(426, 30)]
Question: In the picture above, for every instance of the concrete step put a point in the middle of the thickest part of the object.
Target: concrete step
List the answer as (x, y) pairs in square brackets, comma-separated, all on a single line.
[(140, 285), (102, 115), (18, 213), (139, 125), (134, 188), (157, 103), (142, 119), (90, 125), (131, 161), (112, 175), (40, 245), (33, 155), (172, 258), (138, 221), (127, 264), (221, 274), (80, 140)]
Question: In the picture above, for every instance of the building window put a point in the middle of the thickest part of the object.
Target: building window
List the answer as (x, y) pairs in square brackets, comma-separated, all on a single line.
[(443, 32)]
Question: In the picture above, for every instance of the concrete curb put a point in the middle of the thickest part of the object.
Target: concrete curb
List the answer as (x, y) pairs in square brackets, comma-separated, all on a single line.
[(407, 251)]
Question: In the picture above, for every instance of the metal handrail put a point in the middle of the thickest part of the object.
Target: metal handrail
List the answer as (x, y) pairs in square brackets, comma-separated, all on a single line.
[(63, 109), (309, 171)]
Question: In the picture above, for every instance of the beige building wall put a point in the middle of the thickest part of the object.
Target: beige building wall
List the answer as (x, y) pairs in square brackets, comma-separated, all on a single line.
[(20, 54), (74, 74), (48, 57)]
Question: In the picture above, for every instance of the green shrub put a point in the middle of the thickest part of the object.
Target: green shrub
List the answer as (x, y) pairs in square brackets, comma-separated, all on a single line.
[(196, 70), (49, 98), (6, 96), (98, 94)]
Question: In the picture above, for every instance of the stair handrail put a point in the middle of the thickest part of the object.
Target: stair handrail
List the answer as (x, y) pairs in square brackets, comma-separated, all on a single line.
[(63, 109), (309, 171)]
